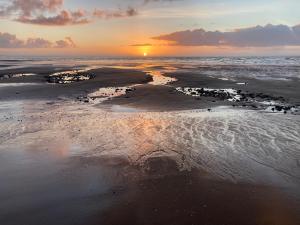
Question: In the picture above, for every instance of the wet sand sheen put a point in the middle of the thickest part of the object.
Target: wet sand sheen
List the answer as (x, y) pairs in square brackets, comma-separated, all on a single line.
[(192, 198), (110, 191)]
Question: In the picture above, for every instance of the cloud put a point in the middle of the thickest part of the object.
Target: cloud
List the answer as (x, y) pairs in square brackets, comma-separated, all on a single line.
[(11, 41), (61, 19), (42, 12), (28, 7), (142, 45), (106, 14), (67, 43), (37, 43), (259, 36), (52, 13), (296, 29), (148, 1)]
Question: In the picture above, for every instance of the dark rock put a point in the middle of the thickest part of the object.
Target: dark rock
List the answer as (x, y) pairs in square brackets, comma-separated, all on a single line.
[(278, 108), (251, 95)]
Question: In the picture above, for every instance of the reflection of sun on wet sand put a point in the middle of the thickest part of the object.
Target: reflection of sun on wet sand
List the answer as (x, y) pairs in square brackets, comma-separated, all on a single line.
[(159, 79), (192, 138)]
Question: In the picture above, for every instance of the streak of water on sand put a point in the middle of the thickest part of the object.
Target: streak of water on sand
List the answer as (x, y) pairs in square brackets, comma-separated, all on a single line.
[(17, 84), (238, 145), (158, 75), (106, 93)]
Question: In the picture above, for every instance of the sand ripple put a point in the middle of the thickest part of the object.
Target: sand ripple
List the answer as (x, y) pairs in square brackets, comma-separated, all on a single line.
[(232, 144)]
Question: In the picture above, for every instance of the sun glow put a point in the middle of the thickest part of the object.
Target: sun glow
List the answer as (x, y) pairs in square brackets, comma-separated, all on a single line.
[(144, 50)]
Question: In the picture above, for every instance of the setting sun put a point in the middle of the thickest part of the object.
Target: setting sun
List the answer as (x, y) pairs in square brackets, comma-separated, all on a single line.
[(145, 54)]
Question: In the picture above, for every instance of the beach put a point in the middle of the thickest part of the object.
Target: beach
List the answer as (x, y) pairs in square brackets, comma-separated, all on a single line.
[(155, 141)]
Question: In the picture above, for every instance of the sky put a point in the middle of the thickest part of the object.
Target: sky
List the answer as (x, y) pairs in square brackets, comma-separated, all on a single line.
[(150, 27)]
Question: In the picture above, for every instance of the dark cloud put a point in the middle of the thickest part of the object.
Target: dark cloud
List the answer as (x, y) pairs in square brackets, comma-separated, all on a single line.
[(131, 11), (259, 36), (148, 1), (296, 29), (52, 13), (11, 41), (142, 45), (106, 14)]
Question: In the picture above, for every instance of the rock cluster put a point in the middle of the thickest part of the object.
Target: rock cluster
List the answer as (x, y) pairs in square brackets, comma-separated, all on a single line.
[(4, 77), (222, 94), (245, 99)]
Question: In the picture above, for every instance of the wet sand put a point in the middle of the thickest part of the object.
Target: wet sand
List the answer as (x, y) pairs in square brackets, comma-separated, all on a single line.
[(43, 90), (162, 98), (146, 96), (45, 179), (109, 191), (193, 198), (165, 98)]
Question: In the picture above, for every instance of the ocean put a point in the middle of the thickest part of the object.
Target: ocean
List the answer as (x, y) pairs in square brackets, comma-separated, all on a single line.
[(280, 68)]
